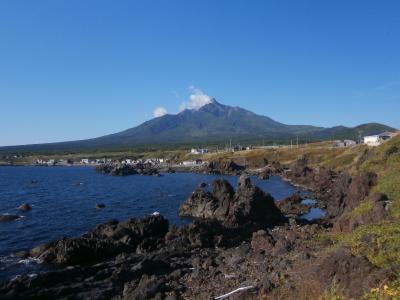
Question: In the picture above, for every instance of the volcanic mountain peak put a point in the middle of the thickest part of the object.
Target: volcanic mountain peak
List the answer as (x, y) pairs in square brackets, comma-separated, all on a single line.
[(213, 122)]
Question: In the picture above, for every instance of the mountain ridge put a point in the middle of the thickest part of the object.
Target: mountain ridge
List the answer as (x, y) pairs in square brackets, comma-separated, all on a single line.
[(213, 123)]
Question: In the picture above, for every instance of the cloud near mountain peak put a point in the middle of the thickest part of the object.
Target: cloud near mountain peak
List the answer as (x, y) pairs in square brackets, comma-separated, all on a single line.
[(159, 112), (196, 100)]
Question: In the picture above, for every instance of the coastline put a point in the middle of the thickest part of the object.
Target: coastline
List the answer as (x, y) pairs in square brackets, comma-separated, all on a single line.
[(205, 249)]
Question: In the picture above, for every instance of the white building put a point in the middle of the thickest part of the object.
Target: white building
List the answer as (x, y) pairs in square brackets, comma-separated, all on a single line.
[(376, 140), (372, 140), (196, 162), (84, 160), (198, 151)]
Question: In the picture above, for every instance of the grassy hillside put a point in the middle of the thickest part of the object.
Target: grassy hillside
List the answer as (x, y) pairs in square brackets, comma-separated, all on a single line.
[(385, 251), (385, 162)]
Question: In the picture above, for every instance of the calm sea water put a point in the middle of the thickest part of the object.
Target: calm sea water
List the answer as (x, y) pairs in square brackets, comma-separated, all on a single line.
[(63, 203)]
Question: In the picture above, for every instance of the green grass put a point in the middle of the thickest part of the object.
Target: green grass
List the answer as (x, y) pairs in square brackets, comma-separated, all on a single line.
[(363, 208), (384, 249)]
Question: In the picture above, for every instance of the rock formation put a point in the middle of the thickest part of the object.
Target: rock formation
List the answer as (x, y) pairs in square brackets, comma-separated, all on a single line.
[(248, 207)]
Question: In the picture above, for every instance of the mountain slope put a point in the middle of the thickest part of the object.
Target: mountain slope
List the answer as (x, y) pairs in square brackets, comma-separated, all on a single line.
[(212, 123)]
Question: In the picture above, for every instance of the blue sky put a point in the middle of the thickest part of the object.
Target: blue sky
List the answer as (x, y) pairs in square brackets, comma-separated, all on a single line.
[(79, 69)]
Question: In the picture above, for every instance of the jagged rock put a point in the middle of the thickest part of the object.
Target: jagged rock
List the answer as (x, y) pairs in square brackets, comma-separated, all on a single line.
[(248, 206), (225, 167), (104, 241), (379, 211), (199, 234), (348, 192), (292, 205)]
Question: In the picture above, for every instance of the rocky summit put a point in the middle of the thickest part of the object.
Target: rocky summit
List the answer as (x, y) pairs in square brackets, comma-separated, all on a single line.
[(211, 123)]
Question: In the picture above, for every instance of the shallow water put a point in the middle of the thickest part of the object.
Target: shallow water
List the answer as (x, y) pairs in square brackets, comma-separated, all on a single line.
[(63, 203), (315, 213)]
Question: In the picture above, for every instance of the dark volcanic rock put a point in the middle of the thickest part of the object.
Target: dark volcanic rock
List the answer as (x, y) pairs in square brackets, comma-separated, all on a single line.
[(224, 166), (201, 204), (379, 211), (251, 205), (292, 206), (348, 192), (204, 234), (24, 207), (126, 169), (262, 241), (8, 218), (248, 206), (106, 240), (318, 179), (117, 169), (354, 274)]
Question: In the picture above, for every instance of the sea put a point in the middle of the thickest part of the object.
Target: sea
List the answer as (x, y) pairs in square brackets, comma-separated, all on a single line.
[(64, 199)]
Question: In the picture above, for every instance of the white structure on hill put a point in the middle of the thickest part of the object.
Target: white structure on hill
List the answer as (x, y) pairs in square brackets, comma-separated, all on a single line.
[(198, 151), (345, 143), (376, 140), (196, 162)]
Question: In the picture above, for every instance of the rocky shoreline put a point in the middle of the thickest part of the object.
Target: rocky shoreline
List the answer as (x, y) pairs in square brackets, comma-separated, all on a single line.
[(241, 245)]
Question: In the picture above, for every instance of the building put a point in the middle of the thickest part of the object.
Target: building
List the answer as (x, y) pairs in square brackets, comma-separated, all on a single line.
[(196, 162), (386, 135), (198, 151), (376, 140), (372, 140), (345, 143), (348, 143)]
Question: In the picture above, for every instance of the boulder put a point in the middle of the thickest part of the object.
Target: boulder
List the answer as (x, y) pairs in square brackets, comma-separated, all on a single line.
[(24, 207), (292, 206), (347, 193), (261, 241), (379, 211), (8, 218)]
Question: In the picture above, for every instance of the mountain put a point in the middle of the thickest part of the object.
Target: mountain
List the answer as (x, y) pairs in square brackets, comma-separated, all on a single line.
[(212, 123)]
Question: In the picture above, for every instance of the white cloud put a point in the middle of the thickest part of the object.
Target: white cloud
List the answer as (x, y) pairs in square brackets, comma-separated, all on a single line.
[(159, 112), (197, 99)]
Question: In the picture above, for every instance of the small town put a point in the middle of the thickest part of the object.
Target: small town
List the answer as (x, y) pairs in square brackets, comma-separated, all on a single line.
[(372, 141)]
